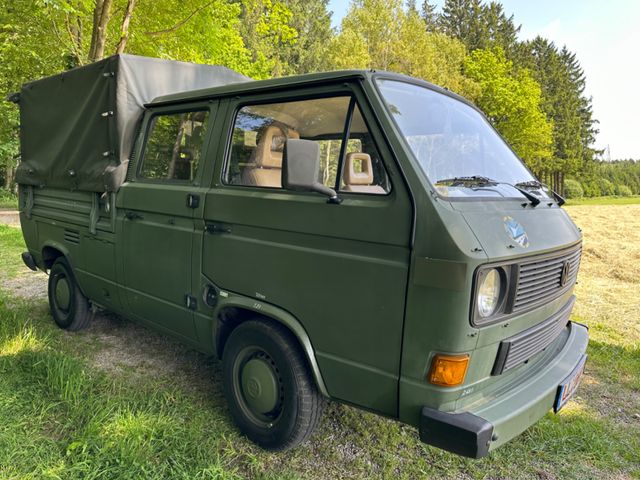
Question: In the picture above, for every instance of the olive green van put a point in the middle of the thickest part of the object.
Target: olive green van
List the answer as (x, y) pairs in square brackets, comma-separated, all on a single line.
[(358, 236)]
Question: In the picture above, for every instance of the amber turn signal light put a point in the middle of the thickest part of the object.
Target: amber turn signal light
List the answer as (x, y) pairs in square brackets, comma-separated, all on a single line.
[(448, 370)]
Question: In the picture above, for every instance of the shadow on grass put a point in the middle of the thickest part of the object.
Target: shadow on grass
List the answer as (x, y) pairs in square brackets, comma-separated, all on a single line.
[(64, 417)]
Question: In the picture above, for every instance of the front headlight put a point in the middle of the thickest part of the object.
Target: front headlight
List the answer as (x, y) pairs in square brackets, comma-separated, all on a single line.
[(489, 292)]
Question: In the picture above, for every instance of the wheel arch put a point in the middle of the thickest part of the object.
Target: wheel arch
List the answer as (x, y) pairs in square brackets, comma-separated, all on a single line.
[(51, 251), (235, 309)]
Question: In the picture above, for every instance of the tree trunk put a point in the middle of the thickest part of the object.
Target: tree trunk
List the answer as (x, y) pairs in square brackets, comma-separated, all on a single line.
[(8, 177), (101, 17), (74, 29), (124, 30)]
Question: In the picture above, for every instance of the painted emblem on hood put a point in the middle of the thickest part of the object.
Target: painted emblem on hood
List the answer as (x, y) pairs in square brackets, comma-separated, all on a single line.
[(516, 232)]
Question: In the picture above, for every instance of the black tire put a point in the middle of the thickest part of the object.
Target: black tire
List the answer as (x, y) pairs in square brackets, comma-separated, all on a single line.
[(298, 404), (69, 307)]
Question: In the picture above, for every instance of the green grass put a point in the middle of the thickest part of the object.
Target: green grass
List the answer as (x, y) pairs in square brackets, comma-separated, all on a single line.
[(605, 200), (11, 246), (8, 200), (62, 417)]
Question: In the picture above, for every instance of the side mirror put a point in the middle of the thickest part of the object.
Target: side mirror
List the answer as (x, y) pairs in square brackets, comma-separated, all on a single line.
[(300, 165)]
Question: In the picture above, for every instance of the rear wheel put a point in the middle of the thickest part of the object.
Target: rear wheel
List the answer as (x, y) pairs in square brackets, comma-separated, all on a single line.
[(271, 394), (69, 307)]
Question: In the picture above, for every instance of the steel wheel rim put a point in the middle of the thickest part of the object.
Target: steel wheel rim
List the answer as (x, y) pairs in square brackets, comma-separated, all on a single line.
[(253, 391)]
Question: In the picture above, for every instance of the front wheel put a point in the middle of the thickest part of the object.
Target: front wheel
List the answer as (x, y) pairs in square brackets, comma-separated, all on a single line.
[(271, 394), (69, 307)]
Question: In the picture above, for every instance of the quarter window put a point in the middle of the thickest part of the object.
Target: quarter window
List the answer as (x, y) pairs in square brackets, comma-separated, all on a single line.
[(174, 146)]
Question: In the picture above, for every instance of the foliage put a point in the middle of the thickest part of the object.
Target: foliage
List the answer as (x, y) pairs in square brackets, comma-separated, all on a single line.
[(163, 29), (310, 52), (573, 189), (511, 100), (623, 191), (455, 48), (620, 177), (606, 187), (478, 25), (8, 199), (380, 34), (266, 31), (563, 101)]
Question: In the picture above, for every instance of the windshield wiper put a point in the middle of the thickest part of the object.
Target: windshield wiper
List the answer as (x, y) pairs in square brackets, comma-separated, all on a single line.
[(480, 181), (535, 184)]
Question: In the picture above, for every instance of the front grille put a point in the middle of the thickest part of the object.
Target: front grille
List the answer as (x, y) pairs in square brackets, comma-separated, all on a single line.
[(541, 280), (521, 347)]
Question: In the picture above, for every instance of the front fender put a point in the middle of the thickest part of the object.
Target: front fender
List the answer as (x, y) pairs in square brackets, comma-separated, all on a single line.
[(229, 300)]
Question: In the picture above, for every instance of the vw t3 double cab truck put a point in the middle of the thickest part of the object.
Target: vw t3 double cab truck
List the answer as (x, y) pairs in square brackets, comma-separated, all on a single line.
[(358, 236)]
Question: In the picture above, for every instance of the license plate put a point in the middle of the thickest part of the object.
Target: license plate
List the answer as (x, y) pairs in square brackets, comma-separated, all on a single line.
[(569, 386)]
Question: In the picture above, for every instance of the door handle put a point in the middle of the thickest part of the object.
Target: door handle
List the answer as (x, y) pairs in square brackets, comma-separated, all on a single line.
[(217, 228), (133, 216)]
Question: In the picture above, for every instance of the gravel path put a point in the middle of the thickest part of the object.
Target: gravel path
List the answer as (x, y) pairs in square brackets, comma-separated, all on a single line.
[(9, 216)]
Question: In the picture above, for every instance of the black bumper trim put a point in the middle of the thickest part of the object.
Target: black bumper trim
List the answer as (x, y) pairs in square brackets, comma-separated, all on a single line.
[(29, 261), (462, 433)]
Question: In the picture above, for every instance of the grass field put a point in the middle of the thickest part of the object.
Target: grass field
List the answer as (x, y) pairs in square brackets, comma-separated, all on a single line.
[(633, 200), (118, 401)]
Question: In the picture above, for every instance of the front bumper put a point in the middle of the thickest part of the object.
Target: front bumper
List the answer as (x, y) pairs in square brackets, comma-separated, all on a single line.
[(503, 414)]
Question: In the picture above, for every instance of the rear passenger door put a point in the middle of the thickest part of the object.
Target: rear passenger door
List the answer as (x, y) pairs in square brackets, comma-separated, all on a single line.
[(341, 270), (158, 205)]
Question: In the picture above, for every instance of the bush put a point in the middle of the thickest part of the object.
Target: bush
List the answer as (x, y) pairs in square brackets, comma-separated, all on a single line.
[(606, 187), (573, 189), (8, 199), (591, 189), (623, 191)]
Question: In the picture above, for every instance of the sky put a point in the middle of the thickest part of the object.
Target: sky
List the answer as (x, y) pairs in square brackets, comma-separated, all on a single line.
[(605, 36)]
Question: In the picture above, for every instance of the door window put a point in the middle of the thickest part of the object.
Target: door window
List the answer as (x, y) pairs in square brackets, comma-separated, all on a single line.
[(174, 146), (260, 133), (363, 170)]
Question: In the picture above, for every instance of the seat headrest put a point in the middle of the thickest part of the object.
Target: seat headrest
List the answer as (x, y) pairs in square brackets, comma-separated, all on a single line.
[(365, 176), (268, 153)]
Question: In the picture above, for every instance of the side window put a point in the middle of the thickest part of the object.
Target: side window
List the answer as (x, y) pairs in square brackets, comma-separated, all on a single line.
[(174, 146), (363, 170), (260, 132)]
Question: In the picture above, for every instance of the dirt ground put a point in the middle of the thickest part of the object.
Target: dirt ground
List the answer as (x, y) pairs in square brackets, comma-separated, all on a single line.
[(120, 346)]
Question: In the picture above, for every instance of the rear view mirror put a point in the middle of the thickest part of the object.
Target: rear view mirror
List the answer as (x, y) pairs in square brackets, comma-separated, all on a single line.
[(300, 166)]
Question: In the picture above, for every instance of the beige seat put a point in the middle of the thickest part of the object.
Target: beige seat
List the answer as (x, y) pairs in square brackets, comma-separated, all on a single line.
[(360, 182), (266, 161)]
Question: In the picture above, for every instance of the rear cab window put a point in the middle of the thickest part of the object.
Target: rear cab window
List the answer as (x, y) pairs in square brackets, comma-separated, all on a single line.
[(174, 146), (349, 160)]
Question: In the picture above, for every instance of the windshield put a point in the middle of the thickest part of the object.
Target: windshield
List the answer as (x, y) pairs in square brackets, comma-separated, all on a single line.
[(452, 140)]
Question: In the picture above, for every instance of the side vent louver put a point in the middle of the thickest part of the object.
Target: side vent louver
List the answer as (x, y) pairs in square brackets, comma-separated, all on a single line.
[(71, 236)]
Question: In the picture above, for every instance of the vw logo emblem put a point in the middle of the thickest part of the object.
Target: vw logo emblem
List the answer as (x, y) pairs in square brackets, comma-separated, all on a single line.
[(564, 276), (516, 231)]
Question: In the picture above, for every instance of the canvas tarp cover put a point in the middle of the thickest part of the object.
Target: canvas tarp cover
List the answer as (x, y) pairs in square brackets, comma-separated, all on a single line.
[(77, 128)]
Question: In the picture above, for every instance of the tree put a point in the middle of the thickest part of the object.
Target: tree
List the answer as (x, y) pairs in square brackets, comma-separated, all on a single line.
[(309, 53), (511, 98), (563, 101), (429, 15), (101, 17), (210, 33), (266, 31), (382, 35), (479, 25)]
